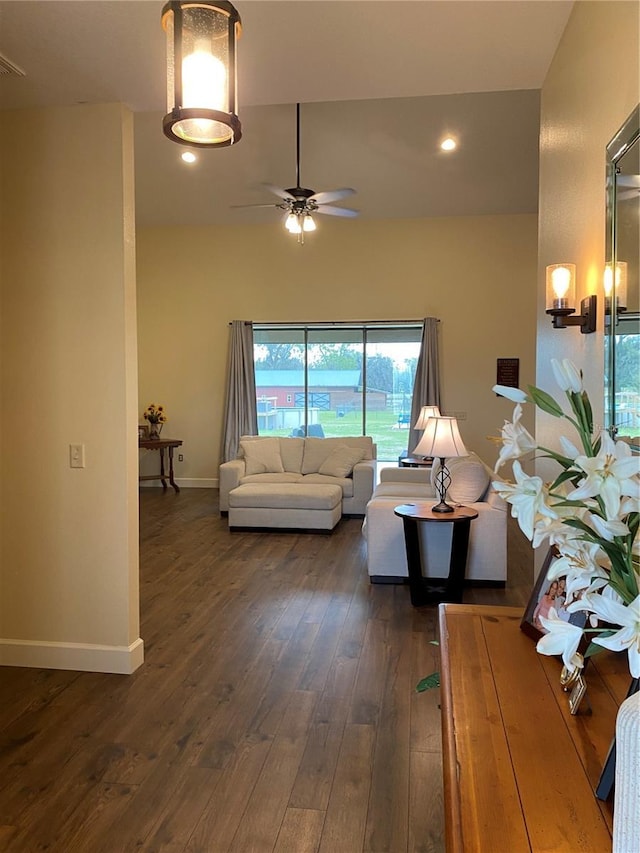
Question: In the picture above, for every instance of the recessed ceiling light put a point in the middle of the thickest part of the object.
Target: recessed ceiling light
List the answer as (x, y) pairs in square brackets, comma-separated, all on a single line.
[(449, 144), (189, 157)]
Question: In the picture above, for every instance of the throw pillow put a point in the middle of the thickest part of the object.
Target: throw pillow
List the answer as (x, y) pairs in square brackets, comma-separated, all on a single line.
[(340, 462), (469, 478), (262, 456), (316, 450)]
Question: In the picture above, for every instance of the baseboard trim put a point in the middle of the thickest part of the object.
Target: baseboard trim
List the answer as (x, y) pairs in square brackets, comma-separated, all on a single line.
[(122, 660), (185, 483)]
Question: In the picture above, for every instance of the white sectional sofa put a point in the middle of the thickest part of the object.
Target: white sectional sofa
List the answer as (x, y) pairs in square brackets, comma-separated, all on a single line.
[(471, 486), (275, 481)]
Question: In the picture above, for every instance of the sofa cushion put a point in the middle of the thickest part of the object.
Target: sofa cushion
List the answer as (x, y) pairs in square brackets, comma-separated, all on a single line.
[(291, 451), (316, 450), (340, 462), (345, 483), (262, 456), (286, 477), (469, 478)]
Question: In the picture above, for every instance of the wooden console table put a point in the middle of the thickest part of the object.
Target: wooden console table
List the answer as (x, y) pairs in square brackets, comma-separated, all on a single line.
[(161, 444), (519, 770)]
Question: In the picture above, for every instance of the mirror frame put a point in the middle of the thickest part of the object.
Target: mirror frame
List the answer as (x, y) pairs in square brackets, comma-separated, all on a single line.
[(625, 138)]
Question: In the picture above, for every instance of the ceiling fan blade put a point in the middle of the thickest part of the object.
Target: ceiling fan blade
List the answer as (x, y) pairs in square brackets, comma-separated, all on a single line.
[(628, 180), (278, 191), (254, 205), (336, 211), (332, 195)]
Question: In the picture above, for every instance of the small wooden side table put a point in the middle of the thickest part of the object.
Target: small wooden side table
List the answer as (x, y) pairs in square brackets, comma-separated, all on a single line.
[(416, 462), (162, 445), (424, 590)]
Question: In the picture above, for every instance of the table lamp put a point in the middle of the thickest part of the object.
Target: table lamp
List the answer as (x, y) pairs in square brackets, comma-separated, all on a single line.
[(441, 438), (426, 412)]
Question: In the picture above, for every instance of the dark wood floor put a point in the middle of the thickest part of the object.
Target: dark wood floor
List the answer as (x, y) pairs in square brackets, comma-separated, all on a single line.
[(275, 710)]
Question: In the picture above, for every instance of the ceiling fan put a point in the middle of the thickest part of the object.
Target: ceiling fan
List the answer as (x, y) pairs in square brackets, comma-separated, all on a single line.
[(300, 202)]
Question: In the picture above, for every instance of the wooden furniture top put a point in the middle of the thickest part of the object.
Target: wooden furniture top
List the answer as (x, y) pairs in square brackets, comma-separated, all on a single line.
[(519, 770), (424, 512), (159, 443)]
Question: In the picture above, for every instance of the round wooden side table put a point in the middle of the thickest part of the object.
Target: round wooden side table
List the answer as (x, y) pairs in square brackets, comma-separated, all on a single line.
[(425, 590)]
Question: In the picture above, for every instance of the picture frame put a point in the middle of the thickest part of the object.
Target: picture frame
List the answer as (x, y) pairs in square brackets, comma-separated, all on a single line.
[(143, 432), (545, 594)]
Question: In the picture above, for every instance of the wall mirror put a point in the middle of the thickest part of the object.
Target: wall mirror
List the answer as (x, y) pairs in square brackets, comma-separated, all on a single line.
[(621, 283)]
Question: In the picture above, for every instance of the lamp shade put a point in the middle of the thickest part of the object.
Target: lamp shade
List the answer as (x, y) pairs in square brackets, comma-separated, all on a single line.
[(201, 72), (441, 438), (426, 412)]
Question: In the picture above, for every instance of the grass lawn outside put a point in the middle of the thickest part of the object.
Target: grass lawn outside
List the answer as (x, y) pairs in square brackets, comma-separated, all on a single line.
[(382, 426)]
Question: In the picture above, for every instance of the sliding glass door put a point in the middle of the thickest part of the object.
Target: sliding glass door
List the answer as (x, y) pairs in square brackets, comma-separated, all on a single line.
[(337, 379)]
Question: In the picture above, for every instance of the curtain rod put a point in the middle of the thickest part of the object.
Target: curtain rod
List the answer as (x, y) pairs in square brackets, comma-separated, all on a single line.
[(306, 324)]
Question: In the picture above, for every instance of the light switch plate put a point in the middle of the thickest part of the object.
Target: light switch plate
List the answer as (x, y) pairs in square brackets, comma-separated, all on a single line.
[(76, 455)]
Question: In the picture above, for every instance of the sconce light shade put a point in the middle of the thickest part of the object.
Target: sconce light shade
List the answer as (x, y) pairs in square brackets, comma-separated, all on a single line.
[(561, 289), (426, 412), (441, 438), (201, 73), (618, 290)]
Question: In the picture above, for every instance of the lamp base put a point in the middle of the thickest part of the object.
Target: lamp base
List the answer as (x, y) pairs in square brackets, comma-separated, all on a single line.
[(442, 483), (442, 507)]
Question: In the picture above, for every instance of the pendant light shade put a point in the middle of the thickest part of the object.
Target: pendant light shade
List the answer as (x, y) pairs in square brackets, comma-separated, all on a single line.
[(201, 73)]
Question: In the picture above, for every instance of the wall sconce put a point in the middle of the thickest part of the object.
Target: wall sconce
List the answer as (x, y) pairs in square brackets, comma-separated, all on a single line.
[(201, 73), (561, 289), (617, 290), (441, 438)]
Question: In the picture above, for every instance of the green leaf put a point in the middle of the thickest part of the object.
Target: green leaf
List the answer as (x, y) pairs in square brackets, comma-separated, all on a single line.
[(545, 402), (594, 648), (428, 682)]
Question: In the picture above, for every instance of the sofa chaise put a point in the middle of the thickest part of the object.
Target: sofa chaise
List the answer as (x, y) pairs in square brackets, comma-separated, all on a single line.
[(294, 482), (471, 486)]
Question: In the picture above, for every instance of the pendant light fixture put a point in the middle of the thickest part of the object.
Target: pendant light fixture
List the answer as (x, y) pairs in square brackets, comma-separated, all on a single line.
[(201, 73)]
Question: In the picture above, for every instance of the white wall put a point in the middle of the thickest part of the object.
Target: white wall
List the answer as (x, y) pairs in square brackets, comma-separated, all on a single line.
[(69, 537), (592, 86), (477, 274)]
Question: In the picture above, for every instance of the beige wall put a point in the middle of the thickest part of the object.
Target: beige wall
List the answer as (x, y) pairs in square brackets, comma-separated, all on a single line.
[(69, 537), (476, 274), (592, 86)]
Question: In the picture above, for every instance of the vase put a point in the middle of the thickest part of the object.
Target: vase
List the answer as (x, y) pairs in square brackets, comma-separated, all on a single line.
[(155, 430)]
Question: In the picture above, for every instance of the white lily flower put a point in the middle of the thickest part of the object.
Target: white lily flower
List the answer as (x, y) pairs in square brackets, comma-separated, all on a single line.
[(516, 440), (568, 448), (590, 509), (527, 499), (616, 613), (513, 394), (561, 638), (608, 529), (567, 375), (610, 475)]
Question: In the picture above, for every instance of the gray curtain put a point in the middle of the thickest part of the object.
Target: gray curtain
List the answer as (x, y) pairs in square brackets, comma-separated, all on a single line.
[(240, 411), (426, 387)]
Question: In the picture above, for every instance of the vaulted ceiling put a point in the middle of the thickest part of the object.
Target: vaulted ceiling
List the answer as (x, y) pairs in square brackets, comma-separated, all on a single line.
[(380, 83)]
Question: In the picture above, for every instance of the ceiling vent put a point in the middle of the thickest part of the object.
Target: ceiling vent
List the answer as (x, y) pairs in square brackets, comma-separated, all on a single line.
[(8, 67)]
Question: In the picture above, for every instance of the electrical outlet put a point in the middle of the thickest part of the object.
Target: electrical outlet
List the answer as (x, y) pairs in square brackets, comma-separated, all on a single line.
[(76, 455), (180, 457)]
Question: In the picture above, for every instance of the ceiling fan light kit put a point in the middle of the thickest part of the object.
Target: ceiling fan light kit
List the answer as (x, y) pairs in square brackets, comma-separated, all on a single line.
[(300, 203), (202, 108)]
